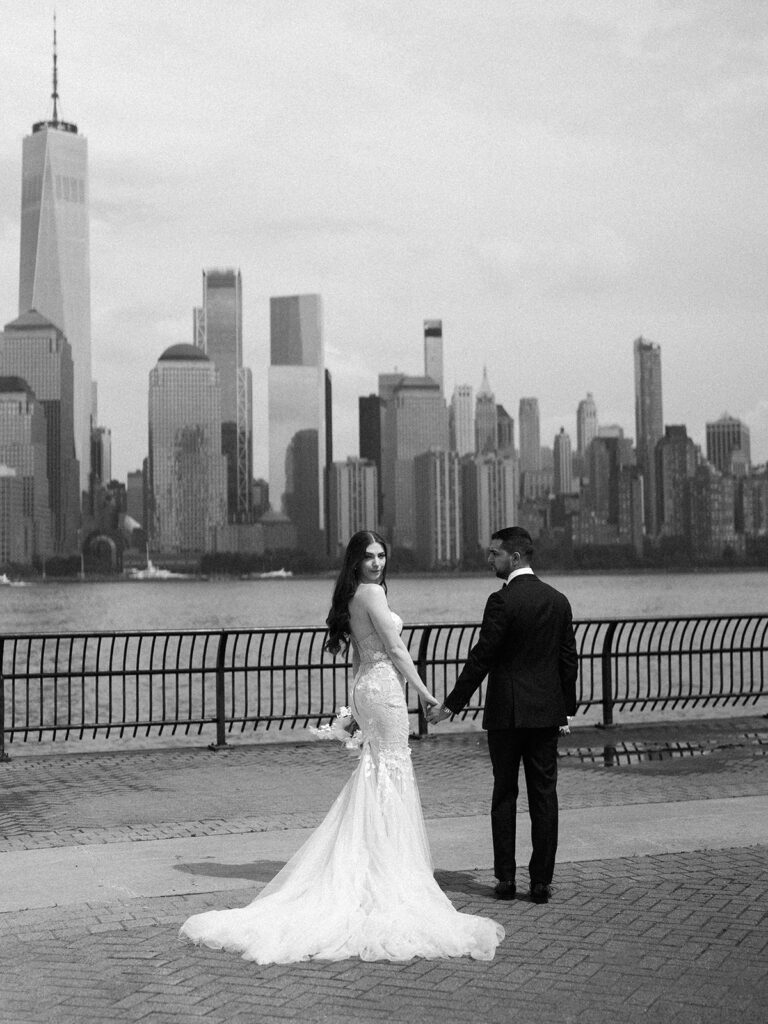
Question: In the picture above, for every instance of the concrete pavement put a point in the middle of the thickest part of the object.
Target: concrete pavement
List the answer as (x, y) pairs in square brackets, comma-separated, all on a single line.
[(659, 910)]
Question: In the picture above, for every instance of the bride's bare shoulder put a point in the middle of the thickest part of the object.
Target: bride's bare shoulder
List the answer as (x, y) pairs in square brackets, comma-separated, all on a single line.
[(369, 595)]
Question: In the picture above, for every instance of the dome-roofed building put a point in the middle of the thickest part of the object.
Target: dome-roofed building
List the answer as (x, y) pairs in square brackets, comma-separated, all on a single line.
[(183, 353)]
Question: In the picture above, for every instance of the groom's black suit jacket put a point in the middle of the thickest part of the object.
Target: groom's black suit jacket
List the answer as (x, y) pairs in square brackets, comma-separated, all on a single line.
[(527, 649)]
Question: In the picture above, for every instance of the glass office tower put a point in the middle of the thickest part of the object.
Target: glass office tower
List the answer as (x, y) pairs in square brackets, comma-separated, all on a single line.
[(649, 424), (187, 472), (33, 348), (220, 325), (54, 265), (297, 415)]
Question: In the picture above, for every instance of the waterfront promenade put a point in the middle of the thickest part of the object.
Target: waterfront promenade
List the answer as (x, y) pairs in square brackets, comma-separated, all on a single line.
[(659, 910)]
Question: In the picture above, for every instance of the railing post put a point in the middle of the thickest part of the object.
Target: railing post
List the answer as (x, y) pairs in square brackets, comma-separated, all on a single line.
[(221, 740), (421, 668), (3, 755), (606, 667)]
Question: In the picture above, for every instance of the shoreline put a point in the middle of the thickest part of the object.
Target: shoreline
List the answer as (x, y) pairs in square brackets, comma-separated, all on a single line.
[(192, 577)]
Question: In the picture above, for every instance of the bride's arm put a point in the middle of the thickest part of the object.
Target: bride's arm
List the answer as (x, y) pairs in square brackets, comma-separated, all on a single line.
[(375, 603)]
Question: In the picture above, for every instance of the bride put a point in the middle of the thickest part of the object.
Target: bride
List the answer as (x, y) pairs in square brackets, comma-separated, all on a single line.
[(362, 884)]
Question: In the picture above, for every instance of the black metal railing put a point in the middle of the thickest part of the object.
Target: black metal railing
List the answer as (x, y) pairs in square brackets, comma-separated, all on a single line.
[(76, 685)]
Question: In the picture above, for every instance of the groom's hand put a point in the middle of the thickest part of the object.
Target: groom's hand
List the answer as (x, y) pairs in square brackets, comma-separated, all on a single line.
[(438, 714)]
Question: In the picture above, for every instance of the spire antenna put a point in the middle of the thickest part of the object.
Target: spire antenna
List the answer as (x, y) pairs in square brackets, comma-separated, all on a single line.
[(62, 126), (55, 93)]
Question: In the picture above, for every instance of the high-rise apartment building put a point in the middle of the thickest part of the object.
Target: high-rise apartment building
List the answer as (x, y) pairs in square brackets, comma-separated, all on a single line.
[(649, 423), (586, 423), (461, 416), (187, 472), (712, 505), (486, 418), (297, 415), (490, 487), (676, 461), (219, 322), (415, 421), (54, 265), (563, 472), (23, 450), (353, 501), (728, 445), (433, 351), (438, 509), (36, 350), (530, 435)]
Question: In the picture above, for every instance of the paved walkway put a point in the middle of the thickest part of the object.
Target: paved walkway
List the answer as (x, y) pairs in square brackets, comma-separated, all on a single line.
[(659, 912)]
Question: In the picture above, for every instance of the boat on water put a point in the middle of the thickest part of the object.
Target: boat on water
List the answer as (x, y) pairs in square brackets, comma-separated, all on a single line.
[(155, 572), (274, 574), (6, 582)]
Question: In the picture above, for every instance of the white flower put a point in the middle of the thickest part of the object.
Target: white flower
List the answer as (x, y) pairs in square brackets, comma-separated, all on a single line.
[(343, 728)]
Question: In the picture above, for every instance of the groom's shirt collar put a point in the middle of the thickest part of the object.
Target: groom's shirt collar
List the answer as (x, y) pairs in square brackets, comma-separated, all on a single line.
[(526, 570)]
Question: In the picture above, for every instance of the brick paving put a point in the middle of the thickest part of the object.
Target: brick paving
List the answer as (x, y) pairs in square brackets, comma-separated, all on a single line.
[(668, 938)]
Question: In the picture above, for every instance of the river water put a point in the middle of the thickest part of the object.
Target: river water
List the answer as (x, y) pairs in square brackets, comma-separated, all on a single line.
[(227, 603)]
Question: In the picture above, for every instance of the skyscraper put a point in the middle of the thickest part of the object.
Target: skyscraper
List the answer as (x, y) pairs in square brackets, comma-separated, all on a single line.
[(220, 324), (433, 350), (562, 460), (462, 419), (728, 445), (586, 423), (486, 418), (530, 436), (438, 509), (490, 487), (353, 501), (297, 414), (187, 472), (15, 537), (33, 348), (416, 420), (22, 449), (54, 265), (369, 425), (649, 423), (676, 462)]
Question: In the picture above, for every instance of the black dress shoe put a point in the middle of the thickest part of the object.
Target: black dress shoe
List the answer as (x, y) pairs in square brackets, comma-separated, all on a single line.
[(505, 891), (540, 892)]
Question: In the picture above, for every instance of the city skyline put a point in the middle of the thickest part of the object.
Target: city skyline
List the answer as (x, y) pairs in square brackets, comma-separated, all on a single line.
[(550, 185)]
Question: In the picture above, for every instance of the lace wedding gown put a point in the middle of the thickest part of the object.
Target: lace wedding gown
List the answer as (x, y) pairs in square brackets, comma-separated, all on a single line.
[(362, 884)]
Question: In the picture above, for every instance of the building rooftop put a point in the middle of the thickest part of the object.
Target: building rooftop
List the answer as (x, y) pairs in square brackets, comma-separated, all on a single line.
[(31, 321), (183, 353)]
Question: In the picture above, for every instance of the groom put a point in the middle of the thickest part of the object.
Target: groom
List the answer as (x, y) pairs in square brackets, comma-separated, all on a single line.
[(527, 649)]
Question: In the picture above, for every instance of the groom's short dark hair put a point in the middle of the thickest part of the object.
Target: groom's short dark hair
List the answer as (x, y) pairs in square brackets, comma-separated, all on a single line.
[(515, 538)]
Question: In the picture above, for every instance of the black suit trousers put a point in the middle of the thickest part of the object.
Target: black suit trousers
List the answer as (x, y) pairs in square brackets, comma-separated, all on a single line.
[(537, 749)]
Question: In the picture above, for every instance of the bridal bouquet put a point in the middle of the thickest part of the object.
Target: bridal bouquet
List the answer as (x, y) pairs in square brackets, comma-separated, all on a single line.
[(343, 728)]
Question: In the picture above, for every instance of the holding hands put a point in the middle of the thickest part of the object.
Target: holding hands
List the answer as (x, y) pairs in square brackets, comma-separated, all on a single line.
[(437, 713)]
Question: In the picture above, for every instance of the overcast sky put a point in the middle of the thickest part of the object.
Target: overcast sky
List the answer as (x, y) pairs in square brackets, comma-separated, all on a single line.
[(552, 178)]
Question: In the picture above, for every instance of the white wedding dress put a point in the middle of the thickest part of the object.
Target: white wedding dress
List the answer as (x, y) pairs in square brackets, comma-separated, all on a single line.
[(362, 884)]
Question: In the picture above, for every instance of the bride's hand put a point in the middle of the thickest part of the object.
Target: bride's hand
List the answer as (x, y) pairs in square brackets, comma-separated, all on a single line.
[(428, 701)]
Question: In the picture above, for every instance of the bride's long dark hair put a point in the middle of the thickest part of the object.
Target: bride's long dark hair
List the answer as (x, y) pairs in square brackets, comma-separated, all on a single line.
[(346, 585)]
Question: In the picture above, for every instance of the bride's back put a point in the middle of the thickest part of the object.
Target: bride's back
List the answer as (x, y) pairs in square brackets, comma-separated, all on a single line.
[(361, 624)]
